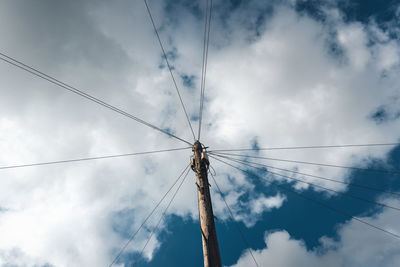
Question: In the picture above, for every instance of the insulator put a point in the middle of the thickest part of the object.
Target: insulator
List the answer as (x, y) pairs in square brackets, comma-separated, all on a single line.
[(204, 158)]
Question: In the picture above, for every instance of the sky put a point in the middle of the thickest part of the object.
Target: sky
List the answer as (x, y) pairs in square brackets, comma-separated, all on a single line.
[(279, 74)]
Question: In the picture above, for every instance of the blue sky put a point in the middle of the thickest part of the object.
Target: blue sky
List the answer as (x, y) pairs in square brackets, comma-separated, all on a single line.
[(280, 74)]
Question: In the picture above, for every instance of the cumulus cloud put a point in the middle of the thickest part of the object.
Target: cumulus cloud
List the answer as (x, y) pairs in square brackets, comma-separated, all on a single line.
[(356, 245), (262, 203), (276, 81), (246, 211), (303, 81)]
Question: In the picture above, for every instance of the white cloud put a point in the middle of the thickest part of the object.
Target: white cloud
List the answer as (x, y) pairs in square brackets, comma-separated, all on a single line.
[(354, 41), (262, 203), (358, 245), (256, 207)]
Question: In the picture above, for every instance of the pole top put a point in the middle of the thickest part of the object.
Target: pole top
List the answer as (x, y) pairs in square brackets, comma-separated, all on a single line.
[(197, 146)]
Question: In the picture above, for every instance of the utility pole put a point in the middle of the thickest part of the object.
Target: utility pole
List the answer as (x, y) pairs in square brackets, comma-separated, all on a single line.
[(200, 164)]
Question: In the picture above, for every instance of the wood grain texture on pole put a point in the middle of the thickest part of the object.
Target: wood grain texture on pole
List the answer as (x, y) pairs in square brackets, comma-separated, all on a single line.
[(211, 252)]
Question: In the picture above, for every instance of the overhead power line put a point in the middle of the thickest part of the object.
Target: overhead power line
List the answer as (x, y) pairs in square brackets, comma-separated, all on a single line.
[(169, 67), (313, 163), (207, 27), (315, 176), (315, 201), (145, 220), (74, 90), (163, 215), (91, 158), (202, 68), (319, 186), (307, 147), (233, 219)]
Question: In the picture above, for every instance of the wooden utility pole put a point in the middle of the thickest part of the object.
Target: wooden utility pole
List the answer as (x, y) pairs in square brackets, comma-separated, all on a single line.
[(211, 253)]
